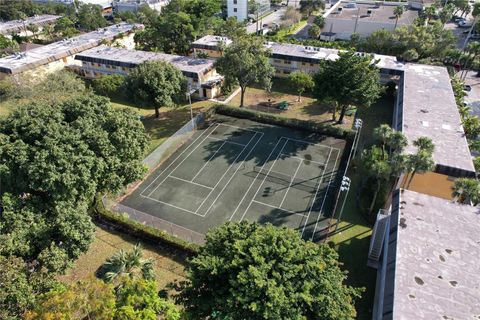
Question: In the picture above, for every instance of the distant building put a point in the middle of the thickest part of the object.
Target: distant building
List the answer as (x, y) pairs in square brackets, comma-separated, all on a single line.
[(20, 26), (200, 73), (363, 18), (57, 55), (134, 5), (240, 8), (210, 45)]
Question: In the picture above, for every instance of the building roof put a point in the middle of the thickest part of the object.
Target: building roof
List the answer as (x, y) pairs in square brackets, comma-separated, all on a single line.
[(18, 63), (429, 109), (371, 12), (210, 41), (15, 26), (132, 58), (437, 259)]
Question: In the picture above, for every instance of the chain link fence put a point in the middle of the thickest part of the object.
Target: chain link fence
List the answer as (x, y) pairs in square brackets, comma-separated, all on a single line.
[(154, 222), (174, 142)]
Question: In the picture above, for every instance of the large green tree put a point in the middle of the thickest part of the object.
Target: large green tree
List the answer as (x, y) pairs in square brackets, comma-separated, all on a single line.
[(466, 190), (351, 79), (156, 83), (90, 17), (301, 82), (248, 271), (245, 63)]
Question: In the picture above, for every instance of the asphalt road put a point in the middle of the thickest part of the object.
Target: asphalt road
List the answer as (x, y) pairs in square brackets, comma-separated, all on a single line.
[(275, 16)]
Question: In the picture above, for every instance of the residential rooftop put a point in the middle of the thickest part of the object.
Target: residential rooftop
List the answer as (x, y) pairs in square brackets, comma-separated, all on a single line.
[(132, 58), (429, 109), (15, 26), (433, 259), (18, 63), (210, 41), (377, 12)]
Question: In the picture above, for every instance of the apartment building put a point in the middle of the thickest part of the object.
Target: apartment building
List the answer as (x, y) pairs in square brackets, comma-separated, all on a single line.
[(20, 26), (56, 56), (134, 5), (200, 73), (345, 18), (240, 8), (211, 46)]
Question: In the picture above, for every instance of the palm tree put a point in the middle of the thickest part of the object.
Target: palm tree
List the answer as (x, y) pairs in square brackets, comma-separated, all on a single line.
[(419, 162), (397, 142), (377, 168), (424, 144), (398, 12), (128, 264), (383, 133), (466, 190)]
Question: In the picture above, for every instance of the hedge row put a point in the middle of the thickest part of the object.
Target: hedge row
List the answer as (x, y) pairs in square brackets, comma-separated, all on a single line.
[(284, 121), (127, 225)]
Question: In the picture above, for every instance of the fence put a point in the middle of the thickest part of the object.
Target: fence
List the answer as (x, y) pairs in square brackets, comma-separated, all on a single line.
[(154, 222), (173, 142)]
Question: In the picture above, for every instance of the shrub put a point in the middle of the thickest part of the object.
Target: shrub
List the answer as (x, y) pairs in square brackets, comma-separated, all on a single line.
[(108, 85)]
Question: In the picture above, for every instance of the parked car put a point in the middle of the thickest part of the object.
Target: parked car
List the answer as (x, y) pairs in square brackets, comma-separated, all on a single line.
[(464, 24), (457, 19), (467, 88)]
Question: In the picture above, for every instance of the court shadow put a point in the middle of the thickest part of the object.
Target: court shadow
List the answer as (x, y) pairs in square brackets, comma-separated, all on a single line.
[(277, 217), (240, 140)]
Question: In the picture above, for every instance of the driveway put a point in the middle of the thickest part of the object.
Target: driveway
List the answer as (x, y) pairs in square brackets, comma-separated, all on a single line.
[(275, 16)]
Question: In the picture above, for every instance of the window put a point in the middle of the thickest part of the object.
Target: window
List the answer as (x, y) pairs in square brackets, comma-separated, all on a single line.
[(234, 1), (287, 62), (277, 61), (286, 72), (311, 64), (303, 63), (234, 9)]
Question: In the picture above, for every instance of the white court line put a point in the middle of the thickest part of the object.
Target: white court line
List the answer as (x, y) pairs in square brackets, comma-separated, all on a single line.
[(232, 142), (223, 175), (191, 144), (168, 204), (290, 184), (325, 196), (208, 161), (313, 144), (269, 205), (260, 186), (229, 125), (316, 193), (303, 159), (251, 184), (197, 184), (231, 177), (179, 164)]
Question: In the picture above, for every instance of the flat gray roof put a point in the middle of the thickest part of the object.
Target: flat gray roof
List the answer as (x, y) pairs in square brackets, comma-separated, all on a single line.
[(380, 12), (211, 41), (429, 109), (135, 57), (437, 259), (17, 25), (55, 51)]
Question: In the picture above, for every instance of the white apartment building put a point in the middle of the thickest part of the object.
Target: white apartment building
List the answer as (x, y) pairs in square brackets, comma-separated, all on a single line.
[(240, 10)]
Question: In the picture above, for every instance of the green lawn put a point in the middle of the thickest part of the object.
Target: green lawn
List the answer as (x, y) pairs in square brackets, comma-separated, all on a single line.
[(352, 238), (170, 120)]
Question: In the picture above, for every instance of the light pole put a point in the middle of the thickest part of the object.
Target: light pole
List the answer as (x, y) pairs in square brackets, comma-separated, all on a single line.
[(190, 90), (358, 125), (344, 187)]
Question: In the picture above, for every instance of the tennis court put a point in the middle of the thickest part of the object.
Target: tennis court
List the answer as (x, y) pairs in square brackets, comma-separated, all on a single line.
[(237, 169)]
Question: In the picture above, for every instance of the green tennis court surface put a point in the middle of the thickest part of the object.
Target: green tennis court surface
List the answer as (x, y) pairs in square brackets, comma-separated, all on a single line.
[(236, 169)]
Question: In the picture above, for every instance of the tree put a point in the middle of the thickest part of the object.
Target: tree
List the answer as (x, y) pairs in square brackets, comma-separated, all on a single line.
[(446, 13), (128, 264), (314, 31), (376, 166), (138, 299), (90, 299), (307, 7), (301, 81), (245, 62), (248, 271), (231, 28), (108, 85), (291, 15), (350, 80), (65, 27), (422, 160), (466, 190), (33, 28), (16, 293), (90, 17), (398, 12), (383, 133), (319, 21), (156, 83), (430, 13), (7, 46)]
